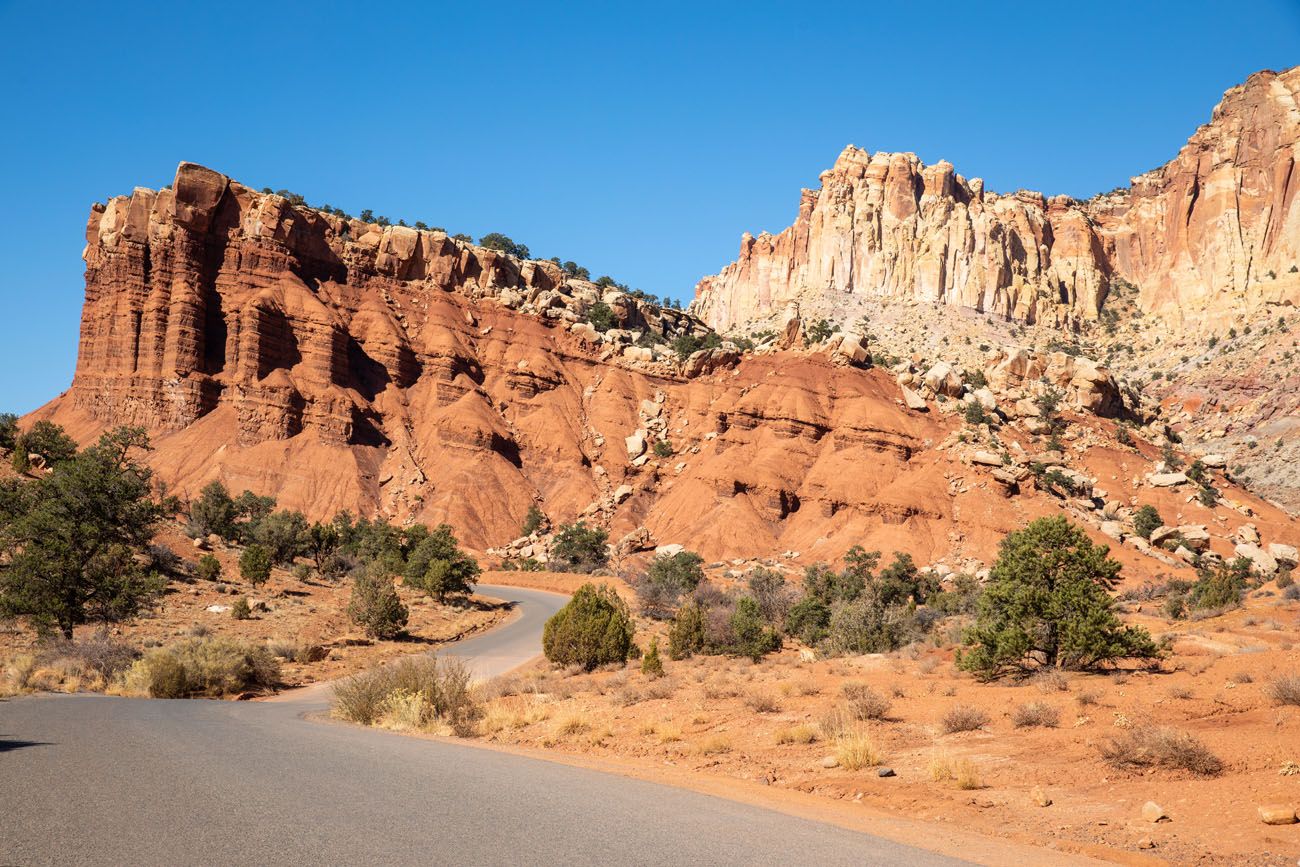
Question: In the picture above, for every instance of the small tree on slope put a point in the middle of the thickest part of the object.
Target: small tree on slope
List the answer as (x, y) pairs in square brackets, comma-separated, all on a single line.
[(1048, 603)]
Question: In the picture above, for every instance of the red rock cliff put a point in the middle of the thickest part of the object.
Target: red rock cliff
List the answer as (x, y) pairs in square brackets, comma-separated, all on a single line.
[(1199, 235)]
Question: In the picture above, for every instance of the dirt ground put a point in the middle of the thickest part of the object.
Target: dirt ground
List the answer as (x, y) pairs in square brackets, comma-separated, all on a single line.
[(734, 724)]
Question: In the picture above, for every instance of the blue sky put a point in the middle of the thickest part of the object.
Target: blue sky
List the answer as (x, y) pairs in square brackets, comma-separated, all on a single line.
[(640, 140)]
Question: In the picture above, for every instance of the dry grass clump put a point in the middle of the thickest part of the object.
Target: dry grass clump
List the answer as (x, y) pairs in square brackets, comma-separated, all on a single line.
[(1285, 690), (855, 750), (714, 745), (1088, 697), (1051, 680), (1241, 677), (800, 734), (1035, 714), (202, 666), (720, 688), (1180, 693), (963, 718), (669, 733), (944, 768), (834, 722), (413, 693), (573, 723), (513, 717), (1153, 746), (69, 666), (762, 702), (865, 703)]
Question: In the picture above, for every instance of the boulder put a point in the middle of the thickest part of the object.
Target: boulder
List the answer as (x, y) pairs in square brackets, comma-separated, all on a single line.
[(1153, 812), (913, 400), (1167, 480), (670, 550), (942, 379), (621, 493), (1195, 536), (636, 444), (987, 459), (852, 349), (986, 399), (1114, 529), (1277, 814), (1214, 462), (1261, 561), (1248, 533), (1285, 555)]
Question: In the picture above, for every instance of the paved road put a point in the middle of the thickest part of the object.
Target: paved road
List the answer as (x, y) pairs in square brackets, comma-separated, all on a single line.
[(91, 779)]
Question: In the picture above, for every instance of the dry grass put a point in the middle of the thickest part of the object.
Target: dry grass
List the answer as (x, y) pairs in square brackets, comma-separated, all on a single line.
[(762, 702), (835, 722), (865, 703), (1285, 690), (944, 768), (1051, 680), (669, 733), (1035, 714), (855, 750), (1153, 746), (1088, 697), (573, 723), (1180, 693), (800, 734), (963, 718), (714, 745), (1241, 677)]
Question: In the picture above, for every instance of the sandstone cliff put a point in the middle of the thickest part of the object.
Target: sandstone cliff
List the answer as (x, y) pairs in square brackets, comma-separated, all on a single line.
[(1208, 233)]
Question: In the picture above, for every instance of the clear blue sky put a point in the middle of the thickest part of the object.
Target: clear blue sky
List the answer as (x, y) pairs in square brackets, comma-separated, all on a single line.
[(640, 140)]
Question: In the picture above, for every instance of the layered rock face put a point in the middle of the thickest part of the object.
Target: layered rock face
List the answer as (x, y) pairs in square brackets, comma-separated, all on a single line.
[(1197, 236)]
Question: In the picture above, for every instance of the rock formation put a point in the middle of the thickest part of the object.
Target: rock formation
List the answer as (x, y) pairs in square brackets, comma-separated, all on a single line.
[(1210, 231)]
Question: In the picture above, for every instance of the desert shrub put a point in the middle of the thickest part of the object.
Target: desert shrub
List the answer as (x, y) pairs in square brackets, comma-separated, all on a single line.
[(592, 629), (208, 568), (800, 734), (808, 619), (580, 548), (651, 664), (9, 432), (375, 605), (761, 702), (240, 609), (302, 571), (255, 565), (975, 414), (411, 693), (1284, 579), (601, 316), (867, 626), (1035, 714), (751, 636), (768, 589), (283, 534), (1047, 604), (47, 439), (686, 635), (69, 540), (668, 578), (439, 567), (664, 449), (1220, 587), (865, 703), (1285, 690), (101, 653), (962, 597), (205, 666), (1146, 520), (1151, 746), (504, 244), (963, 718), (213, 512), (534, 520)]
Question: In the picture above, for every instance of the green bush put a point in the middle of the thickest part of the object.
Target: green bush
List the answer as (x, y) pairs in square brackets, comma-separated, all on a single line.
[(208, 568), (213, 512), (209, 666), (241, 610), (592, 629), (533, 521), (439, 567), (601, 316), (8, 431), (503, 244), (255, 565), (47, 439), (69, 541), (579, 548), (808, 620), (752, 636), (375, 605), (1146, 520), (1221, 587), (668, 578), (663, 449), (651, 664), (686, 635), (1047, 604), (283, 534)]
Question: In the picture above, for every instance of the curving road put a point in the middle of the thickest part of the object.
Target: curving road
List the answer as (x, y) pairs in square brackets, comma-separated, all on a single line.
[(90, 779)]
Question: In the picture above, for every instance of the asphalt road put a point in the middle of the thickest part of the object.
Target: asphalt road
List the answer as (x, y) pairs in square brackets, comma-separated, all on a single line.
[(90, 779)]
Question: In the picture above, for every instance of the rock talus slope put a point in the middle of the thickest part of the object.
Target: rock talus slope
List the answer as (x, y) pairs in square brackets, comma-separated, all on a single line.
[(1206, 233)]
